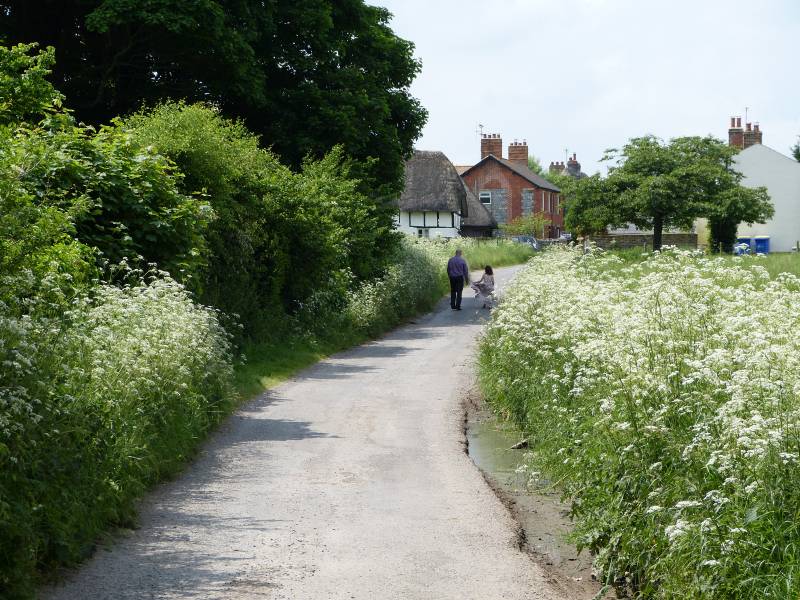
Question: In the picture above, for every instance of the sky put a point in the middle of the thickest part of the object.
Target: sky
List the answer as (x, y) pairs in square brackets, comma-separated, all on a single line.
[(587, 75)]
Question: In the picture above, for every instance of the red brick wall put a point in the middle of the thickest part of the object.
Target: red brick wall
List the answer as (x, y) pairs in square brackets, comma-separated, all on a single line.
[(493, 175)]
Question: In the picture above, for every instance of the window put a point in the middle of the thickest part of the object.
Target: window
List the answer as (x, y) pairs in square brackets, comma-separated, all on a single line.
[(547, 202), (555, 204), (486, 197), (423, 233)]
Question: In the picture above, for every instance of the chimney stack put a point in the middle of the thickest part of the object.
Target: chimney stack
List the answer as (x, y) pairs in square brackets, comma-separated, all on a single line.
[(752, 136), (491, 143), (573, 166), (518, 152), (735, 133)]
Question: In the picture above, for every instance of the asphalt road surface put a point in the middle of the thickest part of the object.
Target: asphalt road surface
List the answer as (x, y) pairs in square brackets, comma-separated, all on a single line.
[(349, 481)]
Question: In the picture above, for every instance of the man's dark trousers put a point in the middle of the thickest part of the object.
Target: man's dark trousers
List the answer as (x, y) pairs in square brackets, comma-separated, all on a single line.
[(456, 288)]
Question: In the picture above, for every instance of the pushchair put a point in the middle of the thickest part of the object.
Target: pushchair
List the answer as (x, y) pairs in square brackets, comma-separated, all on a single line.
[(484, 297)]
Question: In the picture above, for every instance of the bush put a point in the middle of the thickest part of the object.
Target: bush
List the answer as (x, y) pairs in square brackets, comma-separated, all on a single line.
[(122, 197), (96, 403), (278, 235), (664, 397), (25, 93)]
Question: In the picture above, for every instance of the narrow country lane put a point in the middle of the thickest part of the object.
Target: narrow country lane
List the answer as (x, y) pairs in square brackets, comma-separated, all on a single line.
[(349, 481)]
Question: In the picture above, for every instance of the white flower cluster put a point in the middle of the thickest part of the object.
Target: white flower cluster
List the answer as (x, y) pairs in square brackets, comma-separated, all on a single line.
[(141, 358), (672, 381)]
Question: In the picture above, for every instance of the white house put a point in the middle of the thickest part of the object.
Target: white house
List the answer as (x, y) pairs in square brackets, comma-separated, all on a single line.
[(434, 201), (763, 166)]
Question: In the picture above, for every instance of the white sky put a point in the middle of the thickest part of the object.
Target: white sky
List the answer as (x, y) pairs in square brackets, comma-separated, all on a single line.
[(587, 75)]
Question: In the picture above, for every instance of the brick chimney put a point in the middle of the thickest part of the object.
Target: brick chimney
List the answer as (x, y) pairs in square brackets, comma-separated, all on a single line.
[(573, 166), (518, 152), (752, 135), (735, 133), (491, 143), (556, 167)]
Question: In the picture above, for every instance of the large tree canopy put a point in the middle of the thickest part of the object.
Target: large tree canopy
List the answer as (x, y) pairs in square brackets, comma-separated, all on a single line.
[(304, 74), (657, 185)]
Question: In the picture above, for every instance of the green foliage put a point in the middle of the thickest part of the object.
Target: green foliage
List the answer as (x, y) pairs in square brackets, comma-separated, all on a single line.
[(37, 243), (535, 165), (592, 204), (25, 93), (563, 182), (733, 206), (665, 185), (277, 235), (532, 225), (346, 84), (796, 151), (660, 186), (102, 398), (122, 197)]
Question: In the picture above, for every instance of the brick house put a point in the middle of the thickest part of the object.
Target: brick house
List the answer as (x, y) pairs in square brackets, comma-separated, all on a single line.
[(509, 189)]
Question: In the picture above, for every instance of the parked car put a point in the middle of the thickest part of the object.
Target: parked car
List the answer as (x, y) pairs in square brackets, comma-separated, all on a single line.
[(526, 239)]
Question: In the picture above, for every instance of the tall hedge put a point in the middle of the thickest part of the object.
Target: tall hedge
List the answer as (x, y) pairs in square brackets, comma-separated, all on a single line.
[(277, 236)]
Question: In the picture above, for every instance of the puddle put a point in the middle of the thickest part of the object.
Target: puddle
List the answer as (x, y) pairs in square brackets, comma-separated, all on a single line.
[(539, 511)]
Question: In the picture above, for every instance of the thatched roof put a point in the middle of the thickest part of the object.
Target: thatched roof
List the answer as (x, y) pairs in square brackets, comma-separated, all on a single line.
[(479, 215), (432, 183)]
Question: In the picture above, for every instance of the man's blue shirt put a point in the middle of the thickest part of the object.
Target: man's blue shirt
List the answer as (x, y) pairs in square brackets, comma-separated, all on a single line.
[(457, 267)]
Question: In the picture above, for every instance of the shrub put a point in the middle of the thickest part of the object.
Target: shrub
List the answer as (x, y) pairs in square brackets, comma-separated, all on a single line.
[(96, 403), (663, 396), (122, 197), (25, 93), (278, 235)]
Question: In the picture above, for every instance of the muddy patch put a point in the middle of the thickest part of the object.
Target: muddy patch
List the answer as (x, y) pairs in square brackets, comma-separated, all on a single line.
[(494, 448)]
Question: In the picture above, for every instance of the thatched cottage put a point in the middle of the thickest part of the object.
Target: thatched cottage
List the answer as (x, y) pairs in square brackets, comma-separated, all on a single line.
[(435, 201)]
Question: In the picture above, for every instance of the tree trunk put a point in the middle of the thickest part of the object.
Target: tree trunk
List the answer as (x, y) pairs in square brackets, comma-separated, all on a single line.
[(658, 227)]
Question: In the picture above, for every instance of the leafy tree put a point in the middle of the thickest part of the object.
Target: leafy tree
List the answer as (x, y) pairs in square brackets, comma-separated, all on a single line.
[(25, 92), (733, 206), (278, 236), (796, 151), (535, 165), (658, 185), (306, 75), (592, 205), (123, 196)]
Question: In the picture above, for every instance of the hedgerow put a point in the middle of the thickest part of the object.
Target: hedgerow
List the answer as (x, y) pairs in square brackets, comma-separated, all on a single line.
[(102, 393), (278, 237), (664, 398)]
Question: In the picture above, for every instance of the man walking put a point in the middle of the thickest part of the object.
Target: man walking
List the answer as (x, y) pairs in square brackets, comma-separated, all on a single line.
[(458, 272)]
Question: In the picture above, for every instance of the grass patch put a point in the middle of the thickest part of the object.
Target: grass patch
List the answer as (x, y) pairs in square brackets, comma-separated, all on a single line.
[(497, 253), (270, 363)]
